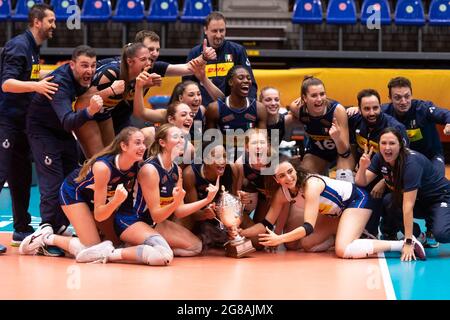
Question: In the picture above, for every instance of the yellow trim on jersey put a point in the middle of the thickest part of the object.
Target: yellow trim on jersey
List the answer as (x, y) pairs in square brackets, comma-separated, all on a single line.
[(414, 134), (318, 138), (361, 141), (218, 70), (164, 201), (35, 72)]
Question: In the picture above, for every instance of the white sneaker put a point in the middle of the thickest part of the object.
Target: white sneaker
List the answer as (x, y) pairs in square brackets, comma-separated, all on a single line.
[(34, 241), (96, 253)]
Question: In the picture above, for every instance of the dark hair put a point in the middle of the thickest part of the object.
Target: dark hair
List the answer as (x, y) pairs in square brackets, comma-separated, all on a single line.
[(272, 186), (367, 93), (231, 73), (113, 148), (399, 165), (83, 50), (309, 81), (179, 88), (215, 15), (38, 12), (143, 34), (172, 110), (128, 51), (399, 82)]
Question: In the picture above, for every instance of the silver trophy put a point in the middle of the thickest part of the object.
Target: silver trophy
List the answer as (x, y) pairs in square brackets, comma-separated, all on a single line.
[(230, 209)]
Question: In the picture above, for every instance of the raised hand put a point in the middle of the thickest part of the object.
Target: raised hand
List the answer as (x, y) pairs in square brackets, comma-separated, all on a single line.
[(209, 53), (95, 104), (351, 111), (197, 68), (46, 88), (335, 130), (212, 190), (364, 161), (120, 194)]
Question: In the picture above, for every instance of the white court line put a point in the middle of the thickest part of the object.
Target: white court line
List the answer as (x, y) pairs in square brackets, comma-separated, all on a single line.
[(387, 281)]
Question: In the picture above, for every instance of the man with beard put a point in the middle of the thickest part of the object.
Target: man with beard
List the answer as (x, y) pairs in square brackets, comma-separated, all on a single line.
[(228, 53), (19, 72), (365, 128), (50, 122)]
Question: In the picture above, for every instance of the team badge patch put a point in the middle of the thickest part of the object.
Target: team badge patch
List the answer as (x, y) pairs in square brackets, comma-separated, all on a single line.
[(228, 58)]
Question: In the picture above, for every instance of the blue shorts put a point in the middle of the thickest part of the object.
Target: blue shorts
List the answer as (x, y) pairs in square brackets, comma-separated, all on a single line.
[(68, 195), (360, 199), (124, 220), (327, 155)]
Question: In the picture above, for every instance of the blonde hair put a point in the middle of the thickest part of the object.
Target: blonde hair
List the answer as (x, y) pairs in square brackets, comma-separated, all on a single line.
[(161, 134), (113, 148)]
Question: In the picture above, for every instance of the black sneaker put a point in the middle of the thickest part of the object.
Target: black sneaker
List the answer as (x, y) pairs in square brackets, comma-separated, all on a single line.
[(2, 248), (431, 241), (18, 237)]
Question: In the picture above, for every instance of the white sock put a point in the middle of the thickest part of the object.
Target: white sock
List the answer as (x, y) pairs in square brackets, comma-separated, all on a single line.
[(396, 245), (75, 246), (50, 240), (116, 255)]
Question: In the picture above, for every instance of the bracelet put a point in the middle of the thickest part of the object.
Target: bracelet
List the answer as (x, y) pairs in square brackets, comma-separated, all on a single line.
[(346, 154), (114, 93), (267, 224), (308, 228), (203, 57)]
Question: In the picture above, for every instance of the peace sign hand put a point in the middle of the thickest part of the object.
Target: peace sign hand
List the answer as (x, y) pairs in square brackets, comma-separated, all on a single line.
[(364, 161)]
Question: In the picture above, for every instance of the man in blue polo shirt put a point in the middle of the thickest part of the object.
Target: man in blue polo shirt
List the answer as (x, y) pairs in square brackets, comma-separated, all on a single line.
[(50, 122), (228, 54), (19, 65)]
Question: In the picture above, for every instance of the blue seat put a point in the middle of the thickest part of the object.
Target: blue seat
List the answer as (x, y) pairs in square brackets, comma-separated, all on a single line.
[(307, 11), (60, 8), (409, 12), (22, 7), (96, 10), (341, 12), (196, 10), (129, 11), (369, 7), (5, 10), (439, 13), (163, 11)]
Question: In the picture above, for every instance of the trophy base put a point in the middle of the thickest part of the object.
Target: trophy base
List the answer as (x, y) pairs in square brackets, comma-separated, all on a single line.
[(239, 250)]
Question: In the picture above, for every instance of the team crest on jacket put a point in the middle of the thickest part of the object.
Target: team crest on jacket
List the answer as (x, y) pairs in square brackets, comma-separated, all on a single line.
[(228, 58)]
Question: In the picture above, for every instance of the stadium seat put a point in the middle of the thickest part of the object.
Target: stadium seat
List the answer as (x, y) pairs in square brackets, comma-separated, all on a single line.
[(163, 11), (196, 10), (307, 11), (5, 10), (439, 13), (22, 7), (341, 12), (129, 11), (96, 10), (409, 12), (370, 6), (60, 8)]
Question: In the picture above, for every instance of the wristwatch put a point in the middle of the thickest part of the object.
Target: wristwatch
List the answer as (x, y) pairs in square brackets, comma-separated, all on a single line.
[(408, 241)]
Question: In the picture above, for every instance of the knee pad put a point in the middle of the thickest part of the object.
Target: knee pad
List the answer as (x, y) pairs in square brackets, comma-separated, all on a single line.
[(324, 246), (157, 240), (154, 255), (357, 249), (75, 246), (345, 175)]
